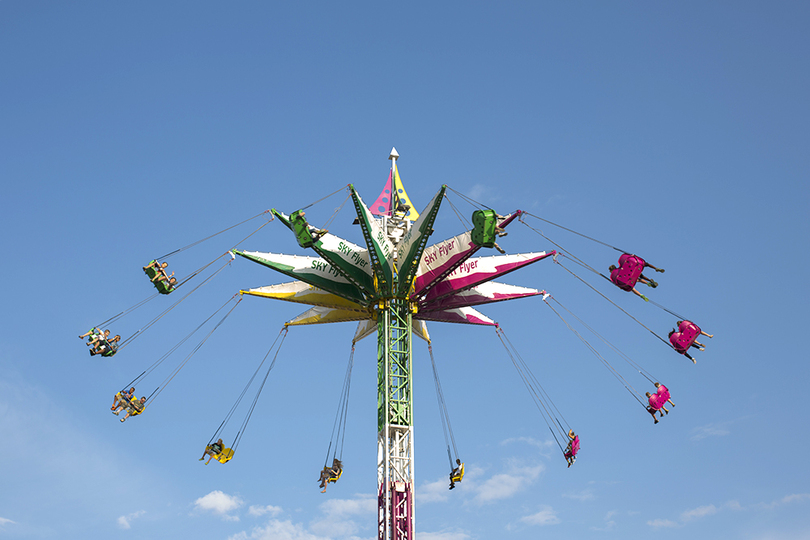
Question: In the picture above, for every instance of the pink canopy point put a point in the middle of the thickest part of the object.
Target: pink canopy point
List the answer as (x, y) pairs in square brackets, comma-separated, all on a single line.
[(382, 206), (474, 272), (462, 315)]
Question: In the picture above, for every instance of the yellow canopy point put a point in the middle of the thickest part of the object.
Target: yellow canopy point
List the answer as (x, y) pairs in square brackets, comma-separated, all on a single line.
[(402, 198)]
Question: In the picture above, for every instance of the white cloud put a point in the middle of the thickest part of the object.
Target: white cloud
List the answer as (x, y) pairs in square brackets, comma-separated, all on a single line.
[(699, 512), (443, 535), (219, 503), (785, 500), (710, 509), (546, 516), (609, 522), (336, 520), (529, 440), (331, 528), (278, 530), (500, 486), (709, 430), (125, 522), (434, 491), (262, 510), (478, 191), (661, 523), (795, 497), (505, 485), (363, 504), (3, 521), (584, 495)]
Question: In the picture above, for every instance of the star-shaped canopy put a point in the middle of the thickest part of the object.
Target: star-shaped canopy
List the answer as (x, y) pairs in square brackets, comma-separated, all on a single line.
[(442, 281)]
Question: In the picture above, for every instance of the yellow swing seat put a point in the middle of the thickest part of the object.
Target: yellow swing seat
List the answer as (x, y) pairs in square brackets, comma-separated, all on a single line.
[(130, 407), (460, 476), (224, 456), (335, 478)]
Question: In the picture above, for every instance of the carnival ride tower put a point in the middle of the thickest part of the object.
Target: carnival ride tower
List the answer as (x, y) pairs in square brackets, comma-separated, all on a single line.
[(392, 286)]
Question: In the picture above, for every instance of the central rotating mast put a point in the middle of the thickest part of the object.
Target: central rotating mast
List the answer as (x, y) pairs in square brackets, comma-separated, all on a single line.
[(394, 284)]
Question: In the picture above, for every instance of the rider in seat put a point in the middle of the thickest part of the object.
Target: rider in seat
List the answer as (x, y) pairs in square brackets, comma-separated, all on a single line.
[(330, 474), (94, 335), (156, 272), (572, 448), (122, 399), (106, 347), (458, 474), (213, 450), (686, 337), (629, 273), (134, 408)]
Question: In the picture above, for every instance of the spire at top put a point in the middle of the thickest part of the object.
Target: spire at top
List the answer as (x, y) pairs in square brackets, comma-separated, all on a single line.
[(393, 197)]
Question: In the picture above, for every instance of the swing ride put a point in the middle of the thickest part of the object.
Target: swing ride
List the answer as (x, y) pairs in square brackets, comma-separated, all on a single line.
[(392, 285)]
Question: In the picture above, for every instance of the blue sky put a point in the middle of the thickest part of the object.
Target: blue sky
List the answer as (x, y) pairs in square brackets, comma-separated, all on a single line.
[(677, 131)]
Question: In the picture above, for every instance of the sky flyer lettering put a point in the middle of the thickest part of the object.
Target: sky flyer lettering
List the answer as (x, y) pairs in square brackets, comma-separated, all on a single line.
[(440, 251), (352, 255), (321, 266), (384, 245), (465, 268)]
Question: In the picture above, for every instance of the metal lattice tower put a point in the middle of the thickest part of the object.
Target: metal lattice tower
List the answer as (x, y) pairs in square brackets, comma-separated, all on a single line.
[(395, 455)]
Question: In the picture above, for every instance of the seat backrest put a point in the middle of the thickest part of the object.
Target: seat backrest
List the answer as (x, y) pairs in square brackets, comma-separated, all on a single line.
[(685, 336), (224, 456), (630, 268)]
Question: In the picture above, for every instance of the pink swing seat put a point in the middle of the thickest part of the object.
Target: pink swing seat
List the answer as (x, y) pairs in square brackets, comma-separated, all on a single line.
[(686, 335), (626, 275)]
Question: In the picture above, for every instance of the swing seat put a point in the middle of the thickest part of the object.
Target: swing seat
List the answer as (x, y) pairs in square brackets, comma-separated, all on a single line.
[(626, 275), (460, 476), (686, 335), (663, 394), (572, 453), (224, 456), (484, 223), (131, 407), (163, 287), (301, 229), (132, 411), (151, 271), (334, 479), (111, 350)]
